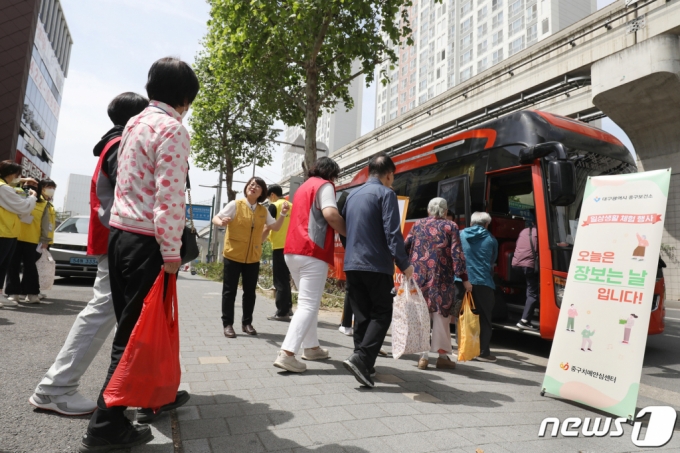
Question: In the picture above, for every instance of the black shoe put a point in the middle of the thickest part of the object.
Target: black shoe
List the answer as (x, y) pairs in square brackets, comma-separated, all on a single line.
[(132, 436), (147, 415), (526, 326), (356, 366), (371, 372), (290, 312)]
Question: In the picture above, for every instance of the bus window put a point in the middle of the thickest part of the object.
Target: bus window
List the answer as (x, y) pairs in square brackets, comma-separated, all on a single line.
[(422, 184), (456, 193)]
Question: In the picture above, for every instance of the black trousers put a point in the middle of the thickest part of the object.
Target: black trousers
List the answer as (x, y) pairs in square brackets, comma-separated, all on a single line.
[(532, 292), (347, 312), (232, 271), (284, 301), (484, 298), (135, 261), (7, 246), (370, 295), (29, 283)]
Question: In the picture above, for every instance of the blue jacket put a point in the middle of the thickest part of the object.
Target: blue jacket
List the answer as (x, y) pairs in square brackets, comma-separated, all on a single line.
[(481, 251), (374, 240)]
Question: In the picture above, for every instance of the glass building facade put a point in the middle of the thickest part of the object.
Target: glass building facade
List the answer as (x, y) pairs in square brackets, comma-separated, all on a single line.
[(48, 68)]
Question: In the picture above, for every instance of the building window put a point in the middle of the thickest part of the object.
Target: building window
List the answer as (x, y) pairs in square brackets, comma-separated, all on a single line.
[(403, 83), (466, 41), (466, 8), (439, 72), (430, 93), (497, 20), (393, 115), (465, 74), (481, 30), (393, 90), (412, 79), (393, 104), (482, 47), (411, 105), (497, 56), (515, 7), (481, 14), (466, 57), (403, 70), (532, 12), (422, 98), (532, 33), (466, 25), (482, 64), (403, 97), (516, 46), (413, 63), (423, 85), (412, 91), (545, 26), (497, 38), (516, 27), (443, 57), (496, 4)]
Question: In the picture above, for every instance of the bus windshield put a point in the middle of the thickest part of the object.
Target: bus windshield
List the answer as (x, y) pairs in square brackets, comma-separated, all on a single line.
[(564, 220)]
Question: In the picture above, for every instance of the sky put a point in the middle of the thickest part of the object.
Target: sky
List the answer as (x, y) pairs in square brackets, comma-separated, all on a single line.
[(115, 43)]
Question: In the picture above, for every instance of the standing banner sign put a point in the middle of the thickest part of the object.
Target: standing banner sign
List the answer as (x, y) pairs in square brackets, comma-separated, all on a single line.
[(599, 345)]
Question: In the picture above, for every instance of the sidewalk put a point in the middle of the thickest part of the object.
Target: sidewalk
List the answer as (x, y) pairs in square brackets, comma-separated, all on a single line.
[(241, 403)]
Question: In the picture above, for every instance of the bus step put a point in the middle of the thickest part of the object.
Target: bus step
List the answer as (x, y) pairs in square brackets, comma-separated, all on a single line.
[(516, 329)]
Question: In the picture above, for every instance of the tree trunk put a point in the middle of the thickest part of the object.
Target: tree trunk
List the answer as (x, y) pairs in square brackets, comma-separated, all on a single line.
[(229, 176), (311, 118)]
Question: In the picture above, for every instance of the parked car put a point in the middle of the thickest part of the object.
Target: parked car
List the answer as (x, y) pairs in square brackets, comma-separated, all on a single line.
[(70, 249)]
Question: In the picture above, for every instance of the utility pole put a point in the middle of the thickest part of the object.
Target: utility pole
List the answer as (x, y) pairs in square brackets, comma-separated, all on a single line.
[(218, 208)]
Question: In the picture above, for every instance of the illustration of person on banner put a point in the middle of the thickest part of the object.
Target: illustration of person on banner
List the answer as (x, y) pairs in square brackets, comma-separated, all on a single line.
[(628, 326), (587, 338), (643, 243)]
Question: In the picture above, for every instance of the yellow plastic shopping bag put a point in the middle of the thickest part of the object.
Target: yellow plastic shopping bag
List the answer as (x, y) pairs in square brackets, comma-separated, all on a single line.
[(468, 331)]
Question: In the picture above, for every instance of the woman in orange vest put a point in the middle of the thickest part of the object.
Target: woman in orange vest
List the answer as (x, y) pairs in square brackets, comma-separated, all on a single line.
[(13, 204), (245, 220), (38, 231)]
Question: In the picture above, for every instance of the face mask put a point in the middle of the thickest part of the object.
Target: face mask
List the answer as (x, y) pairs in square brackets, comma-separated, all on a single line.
[(48, 192)]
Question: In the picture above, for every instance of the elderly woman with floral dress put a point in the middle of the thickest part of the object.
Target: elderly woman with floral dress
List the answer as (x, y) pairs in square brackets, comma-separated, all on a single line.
[(436, 254)]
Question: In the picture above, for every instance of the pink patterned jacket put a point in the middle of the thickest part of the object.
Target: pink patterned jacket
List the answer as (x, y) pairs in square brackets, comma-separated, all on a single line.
[(152, 168)]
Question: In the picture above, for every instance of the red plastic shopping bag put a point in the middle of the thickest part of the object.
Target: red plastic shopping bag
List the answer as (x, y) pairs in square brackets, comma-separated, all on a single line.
[(148, 374)]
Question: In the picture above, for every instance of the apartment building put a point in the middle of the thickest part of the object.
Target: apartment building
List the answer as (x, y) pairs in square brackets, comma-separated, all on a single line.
[(457, 39)]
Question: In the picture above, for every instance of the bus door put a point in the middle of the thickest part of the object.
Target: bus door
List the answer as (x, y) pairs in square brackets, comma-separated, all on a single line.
[(456, 192), (510, 202)]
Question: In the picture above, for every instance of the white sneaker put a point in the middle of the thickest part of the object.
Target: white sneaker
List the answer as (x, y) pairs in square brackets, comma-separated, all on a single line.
[(289, 363), (12, 299), (315, 354), (69, 404), (346, 330), (1, 306), (42, 296), (32, 299)]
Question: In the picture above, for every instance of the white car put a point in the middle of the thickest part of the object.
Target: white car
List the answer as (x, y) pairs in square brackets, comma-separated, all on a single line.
[(70, 249)]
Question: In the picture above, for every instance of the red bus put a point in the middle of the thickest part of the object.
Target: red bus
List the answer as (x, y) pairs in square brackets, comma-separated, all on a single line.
[(512, 167)]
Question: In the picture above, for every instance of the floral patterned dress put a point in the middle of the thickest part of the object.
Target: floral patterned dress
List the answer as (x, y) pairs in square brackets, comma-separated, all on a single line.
[(436, 254)]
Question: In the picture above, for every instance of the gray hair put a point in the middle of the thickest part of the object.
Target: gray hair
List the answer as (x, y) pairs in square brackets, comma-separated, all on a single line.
[(437, 207), (480, 218)]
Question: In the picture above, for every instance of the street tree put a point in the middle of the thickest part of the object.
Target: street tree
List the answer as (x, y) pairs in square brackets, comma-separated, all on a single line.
[(304, 54), (230, 130)]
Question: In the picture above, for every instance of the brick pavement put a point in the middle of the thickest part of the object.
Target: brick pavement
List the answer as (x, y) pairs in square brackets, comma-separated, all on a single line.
[(241, 403)]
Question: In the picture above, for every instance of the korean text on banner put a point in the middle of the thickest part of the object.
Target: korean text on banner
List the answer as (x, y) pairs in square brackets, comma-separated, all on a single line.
[(599, 345)]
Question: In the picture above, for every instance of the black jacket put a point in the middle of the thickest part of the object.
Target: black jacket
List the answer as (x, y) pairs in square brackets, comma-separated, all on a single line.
[(110, 165)]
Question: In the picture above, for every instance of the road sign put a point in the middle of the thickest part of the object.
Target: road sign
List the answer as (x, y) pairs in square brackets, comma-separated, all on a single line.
[(201, 212)]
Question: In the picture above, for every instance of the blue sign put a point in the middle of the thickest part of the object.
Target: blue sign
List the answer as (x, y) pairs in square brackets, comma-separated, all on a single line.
[(201, 212)]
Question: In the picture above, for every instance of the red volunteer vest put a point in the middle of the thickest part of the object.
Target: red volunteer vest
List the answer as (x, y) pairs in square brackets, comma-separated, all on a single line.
[(98, 234), (308, 232)]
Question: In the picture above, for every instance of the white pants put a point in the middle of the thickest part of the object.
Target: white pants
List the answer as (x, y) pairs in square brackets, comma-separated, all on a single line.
[(309, 275), (441, 333), (91, 328)]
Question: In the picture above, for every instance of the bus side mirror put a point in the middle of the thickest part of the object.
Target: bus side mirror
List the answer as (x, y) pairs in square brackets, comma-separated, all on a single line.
[(528, 155), (561, 182)]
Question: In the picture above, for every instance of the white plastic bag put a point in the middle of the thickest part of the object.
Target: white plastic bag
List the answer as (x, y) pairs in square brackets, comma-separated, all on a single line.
[(46, 270), (410, 321)]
